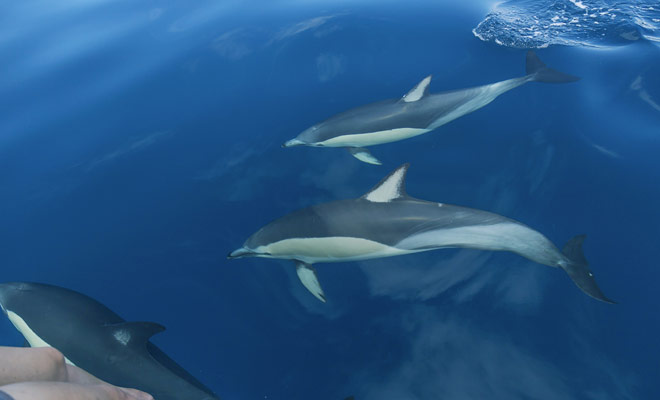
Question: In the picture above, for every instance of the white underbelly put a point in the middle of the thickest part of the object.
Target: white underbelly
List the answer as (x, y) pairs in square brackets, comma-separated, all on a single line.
[(373, 138), (329, 249)]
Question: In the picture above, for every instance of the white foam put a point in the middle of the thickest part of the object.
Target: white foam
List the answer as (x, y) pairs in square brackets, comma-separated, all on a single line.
[(591, 23), (578, 4)]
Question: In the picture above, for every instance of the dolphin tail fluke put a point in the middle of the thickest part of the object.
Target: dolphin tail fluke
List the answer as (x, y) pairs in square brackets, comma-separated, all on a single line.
[(539, 72), (577, 269), (363, 155), (307, 276)]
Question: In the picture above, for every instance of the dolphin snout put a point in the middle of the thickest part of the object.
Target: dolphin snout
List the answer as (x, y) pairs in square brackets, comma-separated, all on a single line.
[(240, 252), (293, 143)]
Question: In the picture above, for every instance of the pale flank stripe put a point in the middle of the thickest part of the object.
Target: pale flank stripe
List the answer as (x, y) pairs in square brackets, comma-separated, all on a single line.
[(28, 333), (487, 95), (507, 236)]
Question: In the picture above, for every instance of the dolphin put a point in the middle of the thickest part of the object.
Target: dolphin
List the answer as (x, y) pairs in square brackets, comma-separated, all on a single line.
[(416, 113), (94, 338), (387, 222)]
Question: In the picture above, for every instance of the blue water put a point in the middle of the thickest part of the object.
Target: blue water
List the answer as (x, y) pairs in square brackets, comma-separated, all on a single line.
[(140, 143)]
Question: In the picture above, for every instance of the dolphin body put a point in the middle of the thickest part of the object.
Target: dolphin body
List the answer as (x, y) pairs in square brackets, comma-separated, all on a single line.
[(416, 113), (387, 222), (94, 338)]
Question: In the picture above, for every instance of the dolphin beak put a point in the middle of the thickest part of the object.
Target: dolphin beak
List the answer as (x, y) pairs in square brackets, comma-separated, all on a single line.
[(293, 143), (240, 252)]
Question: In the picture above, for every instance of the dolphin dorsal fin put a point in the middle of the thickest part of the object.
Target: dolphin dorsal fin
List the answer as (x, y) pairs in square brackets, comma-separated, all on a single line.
[(135, 332), (392, 187), (419, 91)]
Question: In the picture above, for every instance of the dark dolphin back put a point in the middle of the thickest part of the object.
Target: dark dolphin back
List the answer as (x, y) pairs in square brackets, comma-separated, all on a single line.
[(391, 114), (171, 365), (48, 302), (58, 315), (386, 223), (375, 117)]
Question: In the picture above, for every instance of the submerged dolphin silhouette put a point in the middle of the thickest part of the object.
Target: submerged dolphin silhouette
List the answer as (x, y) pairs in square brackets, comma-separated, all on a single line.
[(94, 338), (387, 222), (415, 113)]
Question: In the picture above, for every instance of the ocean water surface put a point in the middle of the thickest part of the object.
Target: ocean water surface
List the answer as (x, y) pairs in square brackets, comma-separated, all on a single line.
[(140, 143)]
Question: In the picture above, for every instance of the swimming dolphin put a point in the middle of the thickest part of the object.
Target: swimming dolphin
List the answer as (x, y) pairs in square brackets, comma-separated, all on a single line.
[(94, 338), (415, 113), (387, 222)]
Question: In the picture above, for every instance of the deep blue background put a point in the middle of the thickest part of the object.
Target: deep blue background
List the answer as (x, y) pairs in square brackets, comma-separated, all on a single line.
[(140, 143)]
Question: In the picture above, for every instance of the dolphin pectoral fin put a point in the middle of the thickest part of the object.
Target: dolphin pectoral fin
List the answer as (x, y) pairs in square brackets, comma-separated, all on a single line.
[(363, 155), (308, 277), (542, 73), (578, 269)]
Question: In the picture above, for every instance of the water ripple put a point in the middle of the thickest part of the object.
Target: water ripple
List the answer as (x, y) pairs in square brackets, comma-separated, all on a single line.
[(591, 23)]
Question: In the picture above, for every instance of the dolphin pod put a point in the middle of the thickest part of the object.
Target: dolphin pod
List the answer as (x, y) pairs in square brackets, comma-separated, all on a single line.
[(416, 113), (387, 222), (94, 338), (384, 222)]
